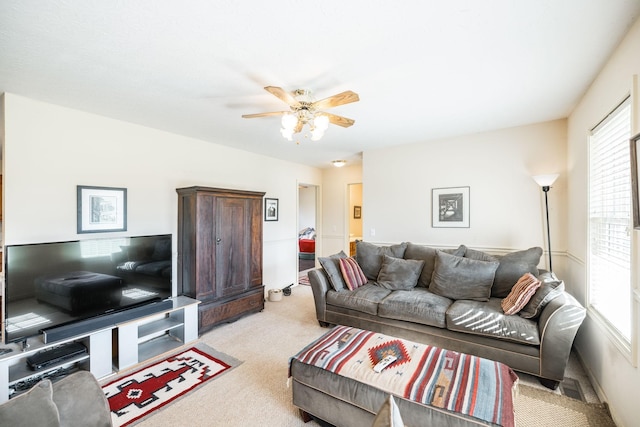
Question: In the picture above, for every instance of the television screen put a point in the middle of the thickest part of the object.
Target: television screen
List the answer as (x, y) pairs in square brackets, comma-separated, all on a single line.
[(54, 284)]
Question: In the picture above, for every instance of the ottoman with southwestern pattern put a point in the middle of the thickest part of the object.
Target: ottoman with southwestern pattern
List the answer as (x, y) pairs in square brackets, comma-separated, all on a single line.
[(333, 380)]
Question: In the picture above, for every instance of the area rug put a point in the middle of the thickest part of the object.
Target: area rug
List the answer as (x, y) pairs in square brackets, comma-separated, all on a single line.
[(137, 395), (535, 407)]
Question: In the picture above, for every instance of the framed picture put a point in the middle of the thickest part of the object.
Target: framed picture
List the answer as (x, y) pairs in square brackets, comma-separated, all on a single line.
[(101, 209), (635, 182), (270, 209), (450, 207), (357, 212)]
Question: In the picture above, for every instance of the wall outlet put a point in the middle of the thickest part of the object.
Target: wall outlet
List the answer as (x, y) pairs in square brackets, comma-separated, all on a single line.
[(372, 232)]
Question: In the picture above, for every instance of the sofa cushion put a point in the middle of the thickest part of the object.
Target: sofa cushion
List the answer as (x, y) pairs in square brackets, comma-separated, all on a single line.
[(462, 278), (398, 273), (520, 294), (550, 288), (364, 299), (33, 408), (81, 401), (369, 256), (351, 273), (418, 306), (428, 255), (331, 266), (487, 319), (478, 255), (513, 266)]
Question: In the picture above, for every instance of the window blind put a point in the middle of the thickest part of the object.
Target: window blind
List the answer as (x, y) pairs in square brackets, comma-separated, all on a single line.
[(610, 220)]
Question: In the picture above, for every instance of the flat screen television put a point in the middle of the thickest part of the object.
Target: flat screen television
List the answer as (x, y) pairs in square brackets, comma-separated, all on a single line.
[(48, 285)]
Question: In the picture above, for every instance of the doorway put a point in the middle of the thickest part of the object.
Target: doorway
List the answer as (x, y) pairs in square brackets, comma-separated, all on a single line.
[(307, 226), (355, 214)]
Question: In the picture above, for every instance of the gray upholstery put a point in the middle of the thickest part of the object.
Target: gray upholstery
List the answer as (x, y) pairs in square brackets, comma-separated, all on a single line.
[(542, 348), (488, 319), (419, 306), (364, 298), (332, 266), (512, 267), (369, 256), (345, 402), (398, 273), (428, 255), (462, 278), (551, 288), (77, 400)]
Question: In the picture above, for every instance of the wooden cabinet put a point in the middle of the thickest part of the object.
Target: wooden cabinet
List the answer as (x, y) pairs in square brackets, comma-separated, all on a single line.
[(220, 252)]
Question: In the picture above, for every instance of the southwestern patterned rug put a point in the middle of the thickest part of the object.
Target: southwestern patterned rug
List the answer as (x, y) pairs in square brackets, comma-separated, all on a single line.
[(137, 395)]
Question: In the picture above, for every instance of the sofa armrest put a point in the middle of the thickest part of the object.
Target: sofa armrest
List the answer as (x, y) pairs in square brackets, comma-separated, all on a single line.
[(558, 325), (319, 282)]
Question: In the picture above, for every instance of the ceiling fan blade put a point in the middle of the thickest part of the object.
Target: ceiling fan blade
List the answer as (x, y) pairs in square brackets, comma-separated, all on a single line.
[(339, 120), (335, 100), (274, 113), (282, 94)]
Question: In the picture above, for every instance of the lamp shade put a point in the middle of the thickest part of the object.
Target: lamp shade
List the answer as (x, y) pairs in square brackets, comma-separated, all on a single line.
[(546, 180)]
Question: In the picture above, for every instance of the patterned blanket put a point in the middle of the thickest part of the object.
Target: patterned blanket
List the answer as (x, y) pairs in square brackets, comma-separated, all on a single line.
[(446, 379)]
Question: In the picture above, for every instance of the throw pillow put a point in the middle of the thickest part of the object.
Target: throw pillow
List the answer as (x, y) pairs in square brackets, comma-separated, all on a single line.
[(520, 294), (551, 288), (33, 408), (369, 256), (428, 255), (388, 415), (478, 255), (399, 274), (352, 273), (457, 277), (331, 266), (512, 267)]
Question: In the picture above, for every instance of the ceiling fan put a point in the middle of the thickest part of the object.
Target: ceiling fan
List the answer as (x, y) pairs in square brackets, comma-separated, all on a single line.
[(304, 110)]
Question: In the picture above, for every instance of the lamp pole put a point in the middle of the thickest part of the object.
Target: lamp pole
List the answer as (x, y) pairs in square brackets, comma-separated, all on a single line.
[(546, 181), (546, 202)]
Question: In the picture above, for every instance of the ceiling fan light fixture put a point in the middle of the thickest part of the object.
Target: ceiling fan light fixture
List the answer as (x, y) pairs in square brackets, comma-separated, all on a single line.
[(321, 122), (339, 163), (289, 121), (287, 134), (316, 134)]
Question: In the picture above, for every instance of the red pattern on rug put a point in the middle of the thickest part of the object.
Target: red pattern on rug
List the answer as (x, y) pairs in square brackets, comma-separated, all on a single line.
[(148, 389)]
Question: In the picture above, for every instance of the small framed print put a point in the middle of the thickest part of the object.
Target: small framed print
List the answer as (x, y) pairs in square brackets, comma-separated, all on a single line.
[(357, 212), (450, 207), (101, 209), (270, 209)]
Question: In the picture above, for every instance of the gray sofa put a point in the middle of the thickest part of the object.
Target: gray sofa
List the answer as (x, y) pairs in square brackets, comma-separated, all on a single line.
[(76, 400), (452, 299)]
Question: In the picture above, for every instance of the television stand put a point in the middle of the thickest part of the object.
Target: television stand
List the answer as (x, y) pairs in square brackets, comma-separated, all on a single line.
[(110, 349)]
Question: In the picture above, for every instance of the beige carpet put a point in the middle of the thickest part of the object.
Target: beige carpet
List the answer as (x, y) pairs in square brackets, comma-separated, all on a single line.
[(256, 392)]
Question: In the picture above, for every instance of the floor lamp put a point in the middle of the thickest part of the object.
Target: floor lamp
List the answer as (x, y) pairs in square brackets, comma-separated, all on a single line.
[(546, 181)]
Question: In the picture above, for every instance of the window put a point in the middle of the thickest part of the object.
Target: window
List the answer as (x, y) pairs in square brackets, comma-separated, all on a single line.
[(609, 258)]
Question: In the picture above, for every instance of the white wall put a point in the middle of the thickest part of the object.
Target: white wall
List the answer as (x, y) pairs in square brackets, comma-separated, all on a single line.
[(615, 376), (307, 206), (48, 150), (335, 208), (506, 204)]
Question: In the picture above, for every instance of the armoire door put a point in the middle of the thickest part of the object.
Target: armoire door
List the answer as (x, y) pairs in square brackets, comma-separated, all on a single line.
[(233, 245)]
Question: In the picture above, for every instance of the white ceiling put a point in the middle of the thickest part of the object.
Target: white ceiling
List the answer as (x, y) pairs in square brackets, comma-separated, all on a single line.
[(423, 69)]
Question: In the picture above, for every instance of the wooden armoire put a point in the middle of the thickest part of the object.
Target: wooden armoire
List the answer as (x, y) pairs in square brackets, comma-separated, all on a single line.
[(220, 252)]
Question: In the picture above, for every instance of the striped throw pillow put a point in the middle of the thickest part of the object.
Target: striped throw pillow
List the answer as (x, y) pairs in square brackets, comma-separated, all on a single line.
[(352, 273), (520, 294)]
